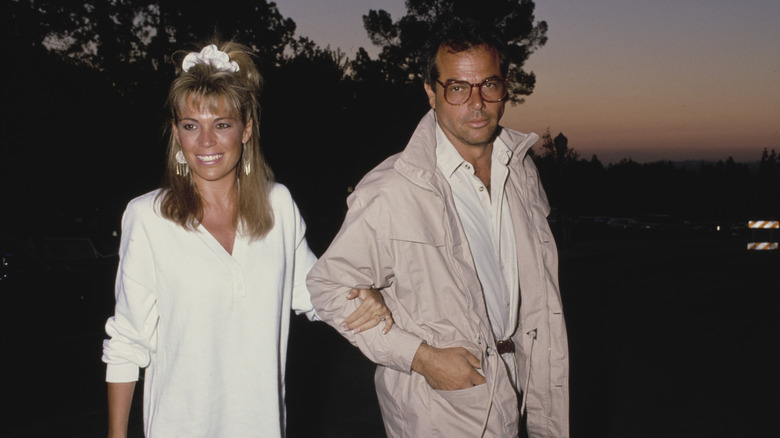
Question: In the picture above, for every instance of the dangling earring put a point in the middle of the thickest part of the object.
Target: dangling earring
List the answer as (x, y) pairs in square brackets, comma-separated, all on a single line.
[(247, 161), (182, 169)]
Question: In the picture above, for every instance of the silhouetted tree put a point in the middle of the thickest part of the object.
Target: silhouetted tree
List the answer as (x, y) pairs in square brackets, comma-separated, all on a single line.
[(131, 40), (557, 149), (769, 162), (399, 61), (768, 183), (95, 74)]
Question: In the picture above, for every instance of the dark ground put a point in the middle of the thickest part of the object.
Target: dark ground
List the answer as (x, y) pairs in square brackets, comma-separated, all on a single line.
[(668, 338)]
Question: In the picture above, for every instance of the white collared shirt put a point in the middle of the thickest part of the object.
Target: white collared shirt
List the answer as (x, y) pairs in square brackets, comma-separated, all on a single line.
[(488, 226)]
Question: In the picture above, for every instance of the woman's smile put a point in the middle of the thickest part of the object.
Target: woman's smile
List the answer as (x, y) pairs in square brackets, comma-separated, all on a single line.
[(209, 159)]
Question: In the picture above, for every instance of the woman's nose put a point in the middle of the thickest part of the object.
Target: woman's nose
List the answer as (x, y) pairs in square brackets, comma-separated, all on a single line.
[(208, 138)]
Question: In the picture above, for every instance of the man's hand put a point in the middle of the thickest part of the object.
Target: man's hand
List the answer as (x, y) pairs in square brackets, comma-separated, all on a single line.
[(371, 312), (447, 369)]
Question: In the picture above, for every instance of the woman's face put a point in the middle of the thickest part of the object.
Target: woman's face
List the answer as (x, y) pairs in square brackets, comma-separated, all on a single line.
[(211, 137)]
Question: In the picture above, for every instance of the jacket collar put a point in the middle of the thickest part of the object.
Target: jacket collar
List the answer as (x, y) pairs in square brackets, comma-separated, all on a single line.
[(418, 160)]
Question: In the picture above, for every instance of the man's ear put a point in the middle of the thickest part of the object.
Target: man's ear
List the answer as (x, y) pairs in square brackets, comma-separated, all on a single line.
[(431, 95)]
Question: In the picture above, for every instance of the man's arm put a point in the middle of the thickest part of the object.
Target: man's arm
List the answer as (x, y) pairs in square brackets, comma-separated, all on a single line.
[(395, 349), (357, 258), (371, 301)]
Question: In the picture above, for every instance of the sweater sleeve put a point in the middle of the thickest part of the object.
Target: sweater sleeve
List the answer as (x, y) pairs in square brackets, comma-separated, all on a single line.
[(133, 328), (357, 257), (304, 261)]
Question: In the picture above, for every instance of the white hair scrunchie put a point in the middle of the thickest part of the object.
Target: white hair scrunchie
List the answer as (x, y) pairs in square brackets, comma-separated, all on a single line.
[(211, 55)]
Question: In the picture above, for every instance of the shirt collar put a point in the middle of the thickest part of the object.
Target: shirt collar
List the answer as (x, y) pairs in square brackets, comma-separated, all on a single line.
[(501, 152), (448, 159)]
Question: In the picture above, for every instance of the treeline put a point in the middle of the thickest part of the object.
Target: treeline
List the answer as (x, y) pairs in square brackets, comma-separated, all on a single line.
[(724, 191)]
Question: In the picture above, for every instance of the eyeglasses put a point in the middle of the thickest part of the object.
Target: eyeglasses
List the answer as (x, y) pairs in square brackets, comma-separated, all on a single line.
[(459, 92)]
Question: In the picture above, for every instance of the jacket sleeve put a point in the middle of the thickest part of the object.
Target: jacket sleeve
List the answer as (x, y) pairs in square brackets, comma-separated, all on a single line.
[(358, 257), (132, 330)]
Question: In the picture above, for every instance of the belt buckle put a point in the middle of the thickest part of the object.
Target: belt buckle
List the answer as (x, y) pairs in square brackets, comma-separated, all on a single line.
[(505, 346)]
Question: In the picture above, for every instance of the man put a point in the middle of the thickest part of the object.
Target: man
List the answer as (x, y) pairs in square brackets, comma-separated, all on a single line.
[(453, 230)]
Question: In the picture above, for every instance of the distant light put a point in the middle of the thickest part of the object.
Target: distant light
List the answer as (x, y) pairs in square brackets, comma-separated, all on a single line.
[(718, 228)]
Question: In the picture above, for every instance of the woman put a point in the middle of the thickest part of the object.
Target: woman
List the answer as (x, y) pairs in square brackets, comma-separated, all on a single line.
[(210, 266)]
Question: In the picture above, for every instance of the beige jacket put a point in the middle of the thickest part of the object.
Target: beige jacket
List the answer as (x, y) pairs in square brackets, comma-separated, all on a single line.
[(402, 234)]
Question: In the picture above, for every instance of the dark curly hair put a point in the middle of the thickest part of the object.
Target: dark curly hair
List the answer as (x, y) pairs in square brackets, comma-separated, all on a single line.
[(460, 34)]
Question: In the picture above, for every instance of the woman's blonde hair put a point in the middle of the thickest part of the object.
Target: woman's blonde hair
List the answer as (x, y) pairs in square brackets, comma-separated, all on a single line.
[(206, 85)]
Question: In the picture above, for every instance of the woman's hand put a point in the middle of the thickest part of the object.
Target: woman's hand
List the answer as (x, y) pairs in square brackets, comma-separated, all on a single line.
[(371, 312)]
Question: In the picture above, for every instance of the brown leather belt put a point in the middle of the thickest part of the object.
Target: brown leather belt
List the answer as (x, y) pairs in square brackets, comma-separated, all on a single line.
[(505, 346)]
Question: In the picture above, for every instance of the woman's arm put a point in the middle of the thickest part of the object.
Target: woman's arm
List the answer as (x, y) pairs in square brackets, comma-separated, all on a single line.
[(371, 312), (120, 398)]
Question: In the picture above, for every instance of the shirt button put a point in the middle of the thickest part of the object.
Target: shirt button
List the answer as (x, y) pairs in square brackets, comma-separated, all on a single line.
[(481, 189)]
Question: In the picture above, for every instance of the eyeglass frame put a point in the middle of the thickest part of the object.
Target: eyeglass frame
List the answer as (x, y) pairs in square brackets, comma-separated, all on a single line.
[(479, 86)]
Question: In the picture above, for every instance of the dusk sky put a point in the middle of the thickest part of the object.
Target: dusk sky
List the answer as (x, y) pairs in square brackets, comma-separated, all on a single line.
[(639, 79)]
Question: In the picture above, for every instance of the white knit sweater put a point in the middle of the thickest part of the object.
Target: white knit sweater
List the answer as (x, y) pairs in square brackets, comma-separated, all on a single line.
[(209, 327)]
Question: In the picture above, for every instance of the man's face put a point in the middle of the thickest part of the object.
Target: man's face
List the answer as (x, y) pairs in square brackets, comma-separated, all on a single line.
[(474, 123)]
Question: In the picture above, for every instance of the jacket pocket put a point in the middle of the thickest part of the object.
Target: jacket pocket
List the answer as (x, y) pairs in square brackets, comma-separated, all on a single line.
[(460, 412), (468, 397)]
